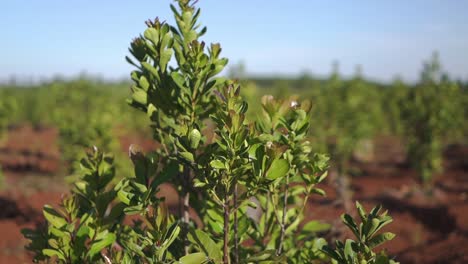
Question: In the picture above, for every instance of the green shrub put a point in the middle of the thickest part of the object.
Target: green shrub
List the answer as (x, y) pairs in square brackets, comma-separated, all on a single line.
[(432, 113), (56, 104), (368, 238), (345, 114), (234, 166), (95, 123), (8, 108), (393, 105)]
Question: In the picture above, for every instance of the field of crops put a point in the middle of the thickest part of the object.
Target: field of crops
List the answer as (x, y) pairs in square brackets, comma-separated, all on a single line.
[(248, 167)]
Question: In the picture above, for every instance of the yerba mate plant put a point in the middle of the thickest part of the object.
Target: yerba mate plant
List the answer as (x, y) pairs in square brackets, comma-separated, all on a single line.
[(8, 106), (361, 250), (432, 113), (91, 128), (348, 113), (248, 182)]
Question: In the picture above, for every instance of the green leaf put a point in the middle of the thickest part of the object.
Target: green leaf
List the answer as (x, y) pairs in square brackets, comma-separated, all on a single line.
[(349, 251), (194, 258), (199, 184), (349, 221), (321, 161), (152, 34), (194, 138), (375, 210), (140, 96), (173, 231), (53, 217), (331, 253), (217, 164), (164, 59), (316, 226), (373, 227), (205, 243), (167, 41), (150, 68), (361, 211), (216, 226), (138, 186), (179, 80), (322, 177), (279, 168), (130, 61), (97, 245), (123, 197), (144, 83), (187, 156), (131, 210), (52, 252), (379, 239), (251, 204), (151, 110), (318, 191), (263, 255)]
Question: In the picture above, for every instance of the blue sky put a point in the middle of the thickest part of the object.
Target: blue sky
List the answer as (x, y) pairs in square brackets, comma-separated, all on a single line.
[(388, 38)]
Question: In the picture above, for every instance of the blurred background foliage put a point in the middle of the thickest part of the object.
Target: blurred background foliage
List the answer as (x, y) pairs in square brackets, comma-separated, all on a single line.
[(347, 113)]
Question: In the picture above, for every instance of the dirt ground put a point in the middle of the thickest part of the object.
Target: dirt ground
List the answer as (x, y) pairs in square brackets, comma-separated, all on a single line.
[(429, 229)]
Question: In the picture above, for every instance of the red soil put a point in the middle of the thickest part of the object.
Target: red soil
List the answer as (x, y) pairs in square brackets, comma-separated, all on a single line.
[(430, 229), (31, 149)]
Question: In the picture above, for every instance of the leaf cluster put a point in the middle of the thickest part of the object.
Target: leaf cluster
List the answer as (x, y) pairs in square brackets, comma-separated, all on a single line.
[(367, 238), (248, 181)]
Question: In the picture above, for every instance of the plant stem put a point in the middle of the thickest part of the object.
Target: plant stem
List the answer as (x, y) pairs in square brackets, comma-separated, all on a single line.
[(179, 207), (186, 206), (267, 209), (283, 218), (226, 229), (304, 203), (343, 187), (347, 194), (236, 239)]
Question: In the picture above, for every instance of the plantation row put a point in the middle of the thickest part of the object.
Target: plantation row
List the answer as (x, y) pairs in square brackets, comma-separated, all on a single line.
[(224, 159), (426, 116)]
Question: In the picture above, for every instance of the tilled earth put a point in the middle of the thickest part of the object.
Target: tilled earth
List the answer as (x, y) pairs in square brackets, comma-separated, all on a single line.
[(430, 228)]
